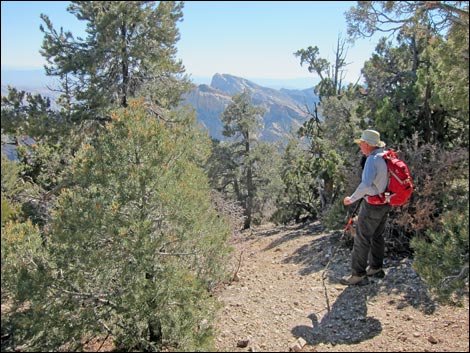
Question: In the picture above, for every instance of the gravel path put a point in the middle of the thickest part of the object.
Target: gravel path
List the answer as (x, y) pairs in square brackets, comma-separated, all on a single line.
[(284, 300)]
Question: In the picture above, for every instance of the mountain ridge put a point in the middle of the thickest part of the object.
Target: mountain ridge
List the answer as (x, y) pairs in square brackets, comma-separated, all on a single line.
[(286, 108), (36, 77)]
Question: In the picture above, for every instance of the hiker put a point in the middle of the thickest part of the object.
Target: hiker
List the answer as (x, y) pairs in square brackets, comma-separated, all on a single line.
[(369, 244)]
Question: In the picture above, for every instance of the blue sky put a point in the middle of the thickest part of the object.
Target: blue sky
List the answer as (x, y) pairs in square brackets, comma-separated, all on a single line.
[(250, 39)]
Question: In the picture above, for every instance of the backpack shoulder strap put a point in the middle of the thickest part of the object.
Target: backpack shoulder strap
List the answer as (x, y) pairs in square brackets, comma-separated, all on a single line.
[(389, 154)]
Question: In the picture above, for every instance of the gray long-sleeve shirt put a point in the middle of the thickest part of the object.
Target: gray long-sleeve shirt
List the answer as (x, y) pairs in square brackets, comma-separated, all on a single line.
[(374, 176)]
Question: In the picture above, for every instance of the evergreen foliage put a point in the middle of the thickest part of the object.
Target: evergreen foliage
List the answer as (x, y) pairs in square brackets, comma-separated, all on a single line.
[(23, 263), (331, 74), (11, 188), (123, 239), (244, 169), (315, 176), (21, 196), (26, 114), (442, 257), (408, 99), (242, 120), (409, 81), (267, 181), (129, 51), (135, 245), (299, 198), (417, 96)]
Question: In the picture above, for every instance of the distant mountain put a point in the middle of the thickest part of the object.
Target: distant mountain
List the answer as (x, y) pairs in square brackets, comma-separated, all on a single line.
[(34, 81), (43, 91), (276, 83), (286, 108)]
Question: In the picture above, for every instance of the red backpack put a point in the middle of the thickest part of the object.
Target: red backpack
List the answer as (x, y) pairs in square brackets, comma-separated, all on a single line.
[(400, 184)]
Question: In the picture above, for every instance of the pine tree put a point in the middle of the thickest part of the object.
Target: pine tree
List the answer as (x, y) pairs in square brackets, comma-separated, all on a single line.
[(242, 121), (418, 97), (129, 51), (136, 246)]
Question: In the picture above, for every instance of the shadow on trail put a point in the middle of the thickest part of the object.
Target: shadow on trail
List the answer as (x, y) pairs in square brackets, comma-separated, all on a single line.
[(316, 255), (328, 249), (346, 323), (293, 233)]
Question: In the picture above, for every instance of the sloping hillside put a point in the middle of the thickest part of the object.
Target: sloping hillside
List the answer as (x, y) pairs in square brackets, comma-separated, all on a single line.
[(286, 109)]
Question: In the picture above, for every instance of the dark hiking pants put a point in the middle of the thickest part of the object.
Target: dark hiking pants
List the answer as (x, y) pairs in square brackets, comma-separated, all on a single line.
[(369, 243)]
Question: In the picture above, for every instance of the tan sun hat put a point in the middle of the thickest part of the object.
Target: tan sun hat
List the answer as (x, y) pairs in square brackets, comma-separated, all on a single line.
[(371, 137)]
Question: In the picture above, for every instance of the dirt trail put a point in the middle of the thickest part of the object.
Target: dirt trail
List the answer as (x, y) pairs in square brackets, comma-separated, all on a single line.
[(281, 303)]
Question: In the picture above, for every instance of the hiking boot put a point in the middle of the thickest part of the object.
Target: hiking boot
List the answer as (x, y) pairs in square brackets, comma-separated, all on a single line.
[(354, 280), (375, 272)]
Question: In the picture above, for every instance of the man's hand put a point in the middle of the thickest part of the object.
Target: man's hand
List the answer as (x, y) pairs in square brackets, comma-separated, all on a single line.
[(347, 201)]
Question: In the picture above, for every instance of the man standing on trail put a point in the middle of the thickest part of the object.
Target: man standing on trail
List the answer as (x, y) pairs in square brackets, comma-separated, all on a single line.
[(369, 244)]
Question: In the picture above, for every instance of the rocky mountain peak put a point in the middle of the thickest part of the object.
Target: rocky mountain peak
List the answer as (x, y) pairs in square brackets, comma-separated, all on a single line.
[(233, 85), (286, 109)]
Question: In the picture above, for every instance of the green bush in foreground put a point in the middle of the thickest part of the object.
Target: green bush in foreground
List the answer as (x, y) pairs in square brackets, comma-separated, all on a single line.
[(442, 260), (135, 246)]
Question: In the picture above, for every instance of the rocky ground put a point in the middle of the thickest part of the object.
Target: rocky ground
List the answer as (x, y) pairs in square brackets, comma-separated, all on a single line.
[(286, 296)]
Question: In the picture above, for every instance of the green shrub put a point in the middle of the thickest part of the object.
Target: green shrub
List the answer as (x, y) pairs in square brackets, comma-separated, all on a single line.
[(135, 245), (442, 258)]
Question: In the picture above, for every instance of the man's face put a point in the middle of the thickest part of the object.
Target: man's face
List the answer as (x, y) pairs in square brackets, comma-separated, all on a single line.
[(365, 148)]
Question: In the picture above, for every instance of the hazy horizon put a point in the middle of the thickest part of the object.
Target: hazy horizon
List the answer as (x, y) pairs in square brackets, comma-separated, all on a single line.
[(255, 40), (36, 78)]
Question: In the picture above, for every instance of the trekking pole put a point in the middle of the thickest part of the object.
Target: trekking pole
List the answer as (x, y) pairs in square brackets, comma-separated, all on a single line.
[(323, 276), (351, 219)]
